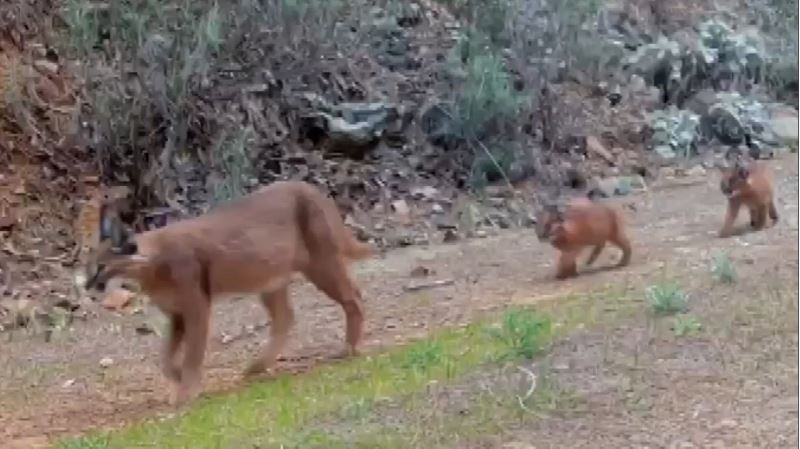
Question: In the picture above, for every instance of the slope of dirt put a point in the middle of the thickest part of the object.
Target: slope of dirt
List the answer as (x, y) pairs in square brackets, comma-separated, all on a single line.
[(60, 388)]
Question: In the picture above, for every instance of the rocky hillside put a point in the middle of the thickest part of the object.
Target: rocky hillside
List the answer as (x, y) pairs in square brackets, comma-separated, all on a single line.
[(427, 120)]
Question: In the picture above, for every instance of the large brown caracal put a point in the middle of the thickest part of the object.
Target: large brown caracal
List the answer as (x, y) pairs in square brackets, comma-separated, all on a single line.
[(583, 223), (747, 183), (252, 245)]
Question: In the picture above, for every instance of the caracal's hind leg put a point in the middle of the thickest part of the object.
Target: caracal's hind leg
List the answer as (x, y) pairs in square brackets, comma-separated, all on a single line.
[(773, 212), (621, 241), (595, 252), (331, 276), (281, 321)]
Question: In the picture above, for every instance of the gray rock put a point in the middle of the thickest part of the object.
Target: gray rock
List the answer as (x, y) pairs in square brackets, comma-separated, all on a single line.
[(665, 151), (696, 171), (785, 128), (603, 187), (617, 186)]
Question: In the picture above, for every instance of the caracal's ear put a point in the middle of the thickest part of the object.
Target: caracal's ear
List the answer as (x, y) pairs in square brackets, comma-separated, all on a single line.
[(742, 171), (112, 228), (553, 210)]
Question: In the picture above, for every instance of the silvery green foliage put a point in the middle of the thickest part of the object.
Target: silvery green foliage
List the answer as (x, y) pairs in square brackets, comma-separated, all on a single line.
[(675, 132), (733, 115), (720, 54), (728, 51), (648, 58)]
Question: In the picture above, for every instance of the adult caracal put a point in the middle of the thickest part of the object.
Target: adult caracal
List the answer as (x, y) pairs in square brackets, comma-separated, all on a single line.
[(252, 245)]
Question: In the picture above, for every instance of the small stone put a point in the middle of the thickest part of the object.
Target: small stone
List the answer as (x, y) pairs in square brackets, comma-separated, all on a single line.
[(665, 151), (426, 192), (420, 271), (605, 187), (437, 209), (697, 171), (593, 145), (450, 236), (667, 172), (400, 207), (106, 362), (727, 424), (117, 299), (51, 68)]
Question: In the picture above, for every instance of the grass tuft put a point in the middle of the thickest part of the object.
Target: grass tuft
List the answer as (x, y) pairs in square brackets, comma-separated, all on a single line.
[(686, 325), (666, 299), (523, 332), (723, 269)]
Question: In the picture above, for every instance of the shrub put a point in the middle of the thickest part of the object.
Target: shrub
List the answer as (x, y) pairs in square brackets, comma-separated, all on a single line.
[(523, 332), (666, 299)]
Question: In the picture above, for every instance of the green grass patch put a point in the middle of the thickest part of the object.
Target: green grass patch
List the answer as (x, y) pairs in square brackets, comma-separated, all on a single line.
[(686, 325), (276, 412), (667, 298)]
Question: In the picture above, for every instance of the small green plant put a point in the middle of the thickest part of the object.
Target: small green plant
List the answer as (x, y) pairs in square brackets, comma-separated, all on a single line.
[(233, 166), (486, 98), (723, 270), (423, 356), (666, 299), (686, 325), (490, 168), (523, 332)]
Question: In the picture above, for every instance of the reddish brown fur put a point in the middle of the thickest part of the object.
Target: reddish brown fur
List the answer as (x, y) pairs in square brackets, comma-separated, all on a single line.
[(249, 246), (583, 223), (748, 184)]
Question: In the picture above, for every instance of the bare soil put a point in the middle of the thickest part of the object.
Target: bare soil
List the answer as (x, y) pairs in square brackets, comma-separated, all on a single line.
[(59, 387)]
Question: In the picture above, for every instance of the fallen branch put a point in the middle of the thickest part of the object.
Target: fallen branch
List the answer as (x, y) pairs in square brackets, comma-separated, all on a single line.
[(431, 284)]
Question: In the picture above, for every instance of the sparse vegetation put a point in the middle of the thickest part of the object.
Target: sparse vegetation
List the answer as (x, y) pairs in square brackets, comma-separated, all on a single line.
[(686, 325), (723, 269), (523, 332), (666, 298), (280, 411)]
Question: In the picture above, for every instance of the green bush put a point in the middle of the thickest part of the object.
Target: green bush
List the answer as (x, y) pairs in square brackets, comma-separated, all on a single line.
[(523, 332), (666, 299)]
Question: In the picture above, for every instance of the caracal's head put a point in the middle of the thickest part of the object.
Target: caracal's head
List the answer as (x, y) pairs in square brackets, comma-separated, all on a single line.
[(546, 220), (733, 178), (116, 242)]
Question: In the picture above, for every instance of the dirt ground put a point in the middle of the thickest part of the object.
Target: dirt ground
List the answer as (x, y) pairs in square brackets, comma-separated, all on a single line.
[(60, 387)]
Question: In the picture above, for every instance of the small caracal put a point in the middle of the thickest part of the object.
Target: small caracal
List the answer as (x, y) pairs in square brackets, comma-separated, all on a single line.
[(252, 245), (583, 223), (748, 183)]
